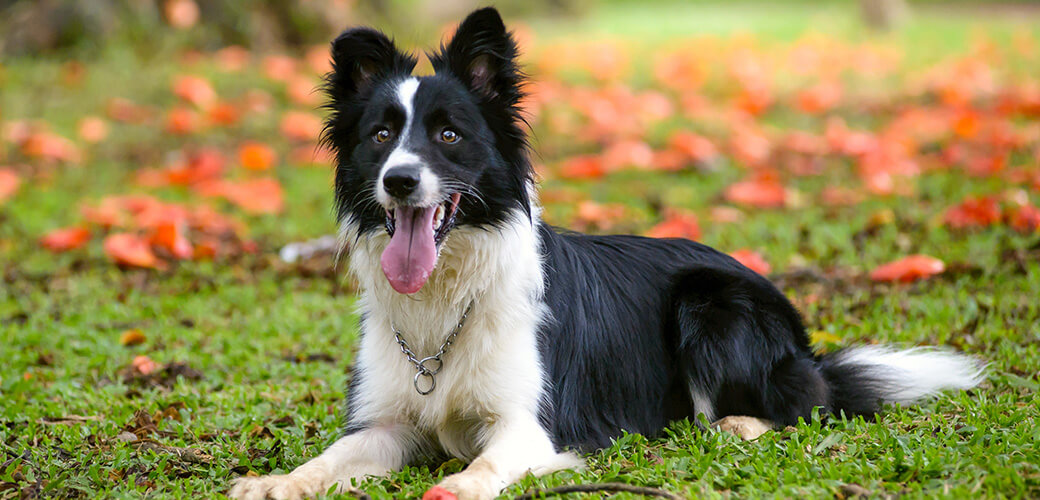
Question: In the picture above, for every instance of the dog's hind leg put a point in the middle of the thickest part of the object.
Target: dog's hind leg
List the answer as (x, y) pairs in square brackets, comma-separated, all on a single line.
[(743, 351), (372, 451), (747, 428)]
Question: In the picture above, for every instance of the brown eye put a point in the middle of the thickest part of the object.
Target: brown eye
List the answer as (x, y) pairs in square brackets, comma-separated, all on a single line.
[(382, 135), (450, 136)]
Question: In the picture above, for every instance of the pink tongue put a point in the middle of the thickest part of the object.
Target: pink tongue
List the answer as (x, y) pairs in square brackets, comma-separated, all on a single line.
[(409, 258)]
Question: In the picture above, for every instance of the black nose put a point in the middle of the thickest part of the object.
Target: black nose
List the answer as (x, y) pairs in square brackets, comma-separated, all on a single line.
[(401, 181)]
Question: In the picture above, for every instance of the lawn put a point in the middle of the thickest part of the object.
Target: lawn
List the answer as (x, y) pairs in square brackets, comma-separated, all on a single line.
[(167, 374)]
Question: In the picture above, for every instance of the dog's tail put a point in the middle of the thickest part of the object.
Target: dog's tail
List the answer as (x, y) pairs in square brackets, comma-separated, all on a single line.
[(861, 379)]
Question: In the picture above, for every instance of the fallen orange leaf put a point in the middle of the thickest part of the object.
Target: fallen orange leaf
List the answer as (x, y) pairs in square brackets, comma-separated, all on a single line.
[(300, 126), (752, 260), (677, 224), (181, 121), (170, 236), (130, 250), (1025, 219), (763, 190), (143, 364), (131, 337), (9, 182), (582, 167), (908, 269), (64, 239), (195, 90), (973, 212), (93, 129), (256, 156)]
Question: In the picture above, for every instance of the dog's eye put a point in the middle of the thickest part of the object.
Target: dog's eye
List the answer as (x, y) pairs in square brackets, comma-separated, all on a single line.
[(450, 136), (382, 135)]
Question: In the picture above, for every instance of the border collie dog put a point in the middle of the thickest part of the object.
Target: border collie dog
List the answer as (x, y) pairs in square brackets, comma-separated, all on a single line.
[(490, 336)]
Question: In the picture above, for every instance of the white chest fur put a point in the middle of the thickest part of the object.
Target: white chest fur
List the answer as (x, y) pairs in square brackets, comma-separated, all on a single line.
[(491, 371)]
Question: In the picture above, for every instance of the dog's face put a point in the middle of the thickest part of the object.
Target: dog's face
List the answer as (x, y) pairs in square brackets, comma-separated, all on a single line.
[(419, 156)]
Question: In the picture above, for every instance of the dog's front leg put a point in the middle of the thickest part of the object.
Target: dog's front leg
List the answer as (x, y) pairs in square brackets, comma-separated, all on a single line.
[(372, 451), (515, 448)]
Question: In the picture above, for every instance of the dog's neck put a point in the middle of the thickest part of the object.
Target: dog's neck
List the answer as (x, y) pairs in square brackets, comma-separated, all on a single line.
[(489, 267)]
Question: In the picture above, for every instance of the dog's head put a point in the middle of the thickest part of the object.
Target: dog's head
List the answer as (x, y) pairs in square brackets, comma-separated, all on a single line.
[(419, 156)]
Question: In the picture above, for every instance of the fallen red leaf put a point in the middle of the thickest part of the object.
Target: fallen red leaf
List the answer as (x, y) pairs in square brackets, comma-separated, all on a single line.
[(65, 239), (92, 129), (170, 237), (907, 269), (300, 126), (598, 215), (677, 224), (256, 156), (752, 260), (819, 98), (973, 212), (181, 121), (697, 148), (195, 90), (131, 337), (582, 167), (9, 182), (761, 190), (258, 196), (130, 250), (143, 364), (1025, 219)]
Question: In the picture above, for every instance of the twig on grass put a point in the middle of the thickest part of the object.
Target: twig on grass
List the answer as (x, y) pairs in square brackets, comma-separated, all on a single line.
[(594, 487)]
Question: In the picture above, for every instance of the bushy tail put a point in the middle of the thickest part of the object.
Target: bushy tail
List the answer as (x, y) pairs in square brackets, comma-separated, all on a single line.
[(861, 379)]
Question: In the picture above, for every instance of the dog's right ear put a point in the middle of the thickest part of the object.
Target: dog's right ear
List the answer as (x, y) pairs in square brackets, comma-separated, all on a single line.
[(360, 56)]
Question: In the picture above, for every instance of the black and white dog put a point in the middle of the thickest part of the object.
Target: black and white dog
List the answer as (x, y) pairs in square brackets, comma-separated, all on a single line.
[(489, 336)]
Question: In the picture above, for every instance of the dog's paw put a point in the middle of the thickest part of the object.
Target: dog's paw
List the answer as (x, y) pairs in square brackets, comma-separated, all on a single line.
[(464, 486), (276, 487), (747, 428)]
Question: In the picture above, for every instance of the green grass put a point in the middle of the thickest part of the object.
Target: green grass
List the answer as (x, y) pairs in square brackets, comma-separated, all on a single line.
[(269, 344)]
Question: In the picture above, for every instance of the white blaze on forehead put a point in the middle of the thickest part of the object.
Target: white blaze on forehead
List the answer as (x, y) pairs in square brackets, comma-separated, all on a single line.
[(429, 183)]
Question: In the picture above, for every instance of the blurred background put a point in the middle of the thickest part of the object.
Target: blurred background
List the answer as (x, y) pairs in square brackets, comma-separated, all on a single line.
[(157, 157)]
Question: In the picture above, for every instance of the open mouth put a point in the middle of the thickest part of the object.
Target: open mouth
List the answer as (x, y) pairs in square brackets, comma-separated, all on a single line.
[(443, 217), (415, 235)]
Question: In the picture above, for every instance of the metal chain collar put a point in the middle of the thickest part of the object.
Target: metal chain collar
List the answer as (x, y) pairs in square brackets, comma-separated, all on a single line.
[(422, 371)]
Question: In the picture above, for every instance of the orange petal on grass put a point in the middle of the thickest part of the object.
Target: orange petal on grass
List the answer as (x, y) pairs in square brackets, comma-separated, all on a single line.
[(65, 239), (143, 364), (303, 91), (908, 269), (181, 121), (300, 126), (258, 196), (130, 250), (195, 90), (181, 14), (131, 337), (697, 148), (223, 114), (973, 212), (93, 129), (628, 153), (1025, 219), (759, 191), (599, 215), (582, 167), (256, 156), (9, 182), (677, 224), (752, 260), (170, 236)]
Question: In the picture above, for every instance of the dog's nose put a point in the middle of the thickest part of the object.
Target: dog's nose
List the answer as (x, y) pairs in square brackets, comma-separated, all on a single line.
[(401, 181)]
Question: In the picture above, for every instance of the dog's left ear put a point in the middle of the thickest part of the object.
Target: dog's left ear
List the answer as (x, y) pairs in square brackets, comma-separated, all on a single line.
[(483, 55)]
